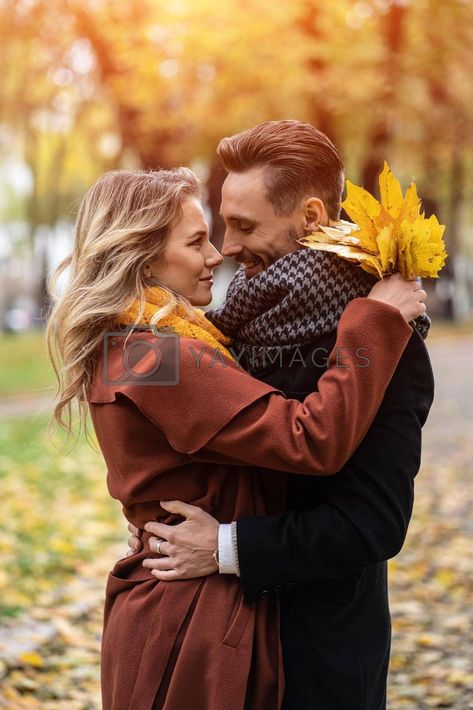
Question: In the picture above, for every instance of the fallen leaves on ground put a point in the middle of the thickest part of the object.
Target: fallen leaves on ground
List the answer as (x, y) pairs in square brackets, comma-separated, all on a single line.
[(59, 512)]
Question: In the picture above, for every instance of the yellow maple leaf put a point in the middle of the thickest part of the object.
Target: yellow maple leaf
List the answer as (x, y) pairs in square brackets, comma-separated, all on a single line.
[(369, 261), (410, 208), (390, 191), (421, 248), (385, 236), (363, 209), (387, 248)]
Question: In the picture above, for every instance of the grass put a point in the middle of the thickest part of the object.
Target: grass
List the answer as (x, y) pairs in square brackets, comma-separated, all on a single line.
[(25, 369), (56, 512)]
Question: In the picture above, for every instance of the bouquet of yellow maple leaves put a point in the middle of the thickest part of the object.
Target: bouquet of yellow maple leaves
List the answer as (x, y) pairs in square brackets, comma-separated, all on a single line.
[(387, 236)]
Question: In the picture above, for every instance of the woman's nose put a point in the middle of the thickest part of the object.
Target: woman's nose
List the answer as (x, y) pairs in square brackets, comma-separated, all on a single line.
[(214, 258)]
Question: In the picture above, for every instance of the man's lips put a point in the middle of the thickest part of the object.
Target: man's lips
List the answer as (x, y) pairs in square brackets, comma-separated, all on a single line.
[(253, 267)]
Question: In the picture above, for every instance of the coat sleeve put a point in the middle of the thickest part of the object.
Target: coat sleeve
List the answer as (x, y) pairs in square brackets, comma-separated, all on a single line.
[(364, 517), (219, 414)]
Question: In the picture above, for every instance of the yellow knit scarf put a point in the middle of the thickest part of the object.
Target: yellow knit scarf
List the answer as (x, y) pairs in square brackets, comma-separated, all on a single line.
[(189, 326)]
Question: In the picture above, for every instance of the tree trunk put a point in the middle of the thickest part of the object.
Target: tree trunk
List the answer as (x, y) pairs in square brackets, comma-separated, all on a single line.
[(319, 115), (215, 181), (381, 133)]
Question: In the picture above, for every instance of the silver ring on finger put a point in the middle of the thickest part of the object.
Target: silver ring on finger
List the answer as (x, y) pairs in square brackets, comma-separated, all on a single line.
[(158, 547)]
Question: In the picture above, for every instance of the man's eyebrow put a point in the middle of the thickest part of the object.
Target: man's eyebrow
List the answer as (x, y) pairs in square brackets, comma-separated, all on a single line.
[(239, 218)]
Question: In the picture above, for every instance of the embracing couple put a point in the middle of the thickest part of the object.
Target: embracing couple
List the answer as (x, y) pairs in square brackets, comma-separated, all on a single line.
[(265, 452)]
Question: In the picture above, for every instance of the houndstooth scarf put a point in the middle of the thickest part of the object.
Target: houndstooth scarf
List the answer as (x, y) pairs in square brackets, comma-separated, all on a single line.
[(294, 301)]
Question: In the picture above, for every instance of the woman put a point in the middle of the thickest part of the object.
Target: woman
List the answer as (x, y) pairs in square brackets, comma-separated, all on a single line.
[(194, 643)]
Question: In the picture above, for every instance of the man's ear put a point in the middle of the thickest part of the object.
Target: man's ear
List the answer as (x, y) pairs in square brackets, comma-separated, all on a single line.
[(314, 214)]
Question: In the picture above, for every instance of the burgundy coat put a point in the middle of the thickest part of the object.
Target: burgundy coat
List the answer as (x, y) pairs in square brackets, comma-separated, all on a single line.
[(196, 643)]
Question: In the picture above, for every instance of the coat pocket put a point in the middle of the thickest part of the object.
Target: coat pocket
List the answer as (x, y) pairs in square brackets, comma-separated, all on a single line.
[(238, 624), (125, 575)]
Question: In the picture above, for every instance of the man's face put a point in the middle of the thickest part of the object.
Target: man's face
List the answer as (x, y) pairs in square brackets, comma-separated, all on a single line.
[(255, 236)]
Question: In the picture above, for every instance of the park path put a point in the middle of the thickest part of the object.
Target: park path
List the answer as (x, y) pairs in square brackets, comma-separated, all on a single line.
[(431, 580), (451, 417)]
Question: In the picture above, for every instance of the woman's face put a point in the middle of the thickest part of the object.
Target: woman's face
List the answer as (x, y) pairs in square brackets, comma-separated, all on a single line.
[(188, 260)]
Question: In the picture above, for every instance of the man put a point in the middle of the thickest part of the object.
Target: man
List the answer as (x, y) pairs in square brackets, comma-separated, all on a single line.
[(326, 555)]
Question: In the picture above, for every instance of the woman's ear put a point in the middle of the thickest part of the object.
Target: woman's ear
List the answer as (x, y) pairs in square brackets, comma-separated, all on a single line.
[(314, 214), (147, 271)]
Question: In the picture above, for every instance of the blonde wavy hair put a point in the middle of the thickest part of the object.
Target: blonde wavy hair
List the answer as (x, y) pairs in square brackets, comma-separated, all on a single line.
[(122, 223)]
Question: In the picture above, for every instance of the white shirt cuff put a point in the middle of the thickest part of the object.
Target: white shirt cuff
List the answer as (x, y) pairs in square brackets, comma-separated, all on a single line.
[(226, 555)]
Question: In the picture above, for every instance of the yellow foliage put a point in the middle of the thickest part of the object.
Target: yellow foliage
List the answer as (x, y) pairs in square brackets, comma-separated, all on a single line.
[(445, 577), (387, 236), (32, 658)]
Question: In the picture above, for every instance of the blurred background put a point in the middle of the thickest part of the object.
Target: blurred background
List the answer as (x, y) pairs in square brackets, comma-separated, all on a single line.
[(93, 85)]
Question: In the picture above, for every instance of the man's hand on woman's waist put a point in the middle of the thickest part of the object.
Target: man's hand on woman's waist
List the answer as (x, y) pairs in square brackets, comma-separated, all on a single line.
[(187, 549)]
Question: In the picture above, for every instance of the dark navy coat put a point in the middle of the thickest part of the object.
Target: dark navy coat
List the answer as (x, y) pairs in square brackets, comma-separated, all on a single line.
[(326, 556)]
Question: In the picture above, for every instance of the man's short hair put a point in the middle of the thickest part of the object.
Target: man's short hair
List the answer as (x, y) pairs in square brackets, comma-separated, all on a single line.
[(301, 161)]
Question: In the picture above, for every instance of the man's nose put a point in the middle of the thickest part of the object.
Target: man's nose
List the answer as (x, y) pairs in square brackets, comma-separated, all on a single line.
[(230, 247)]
